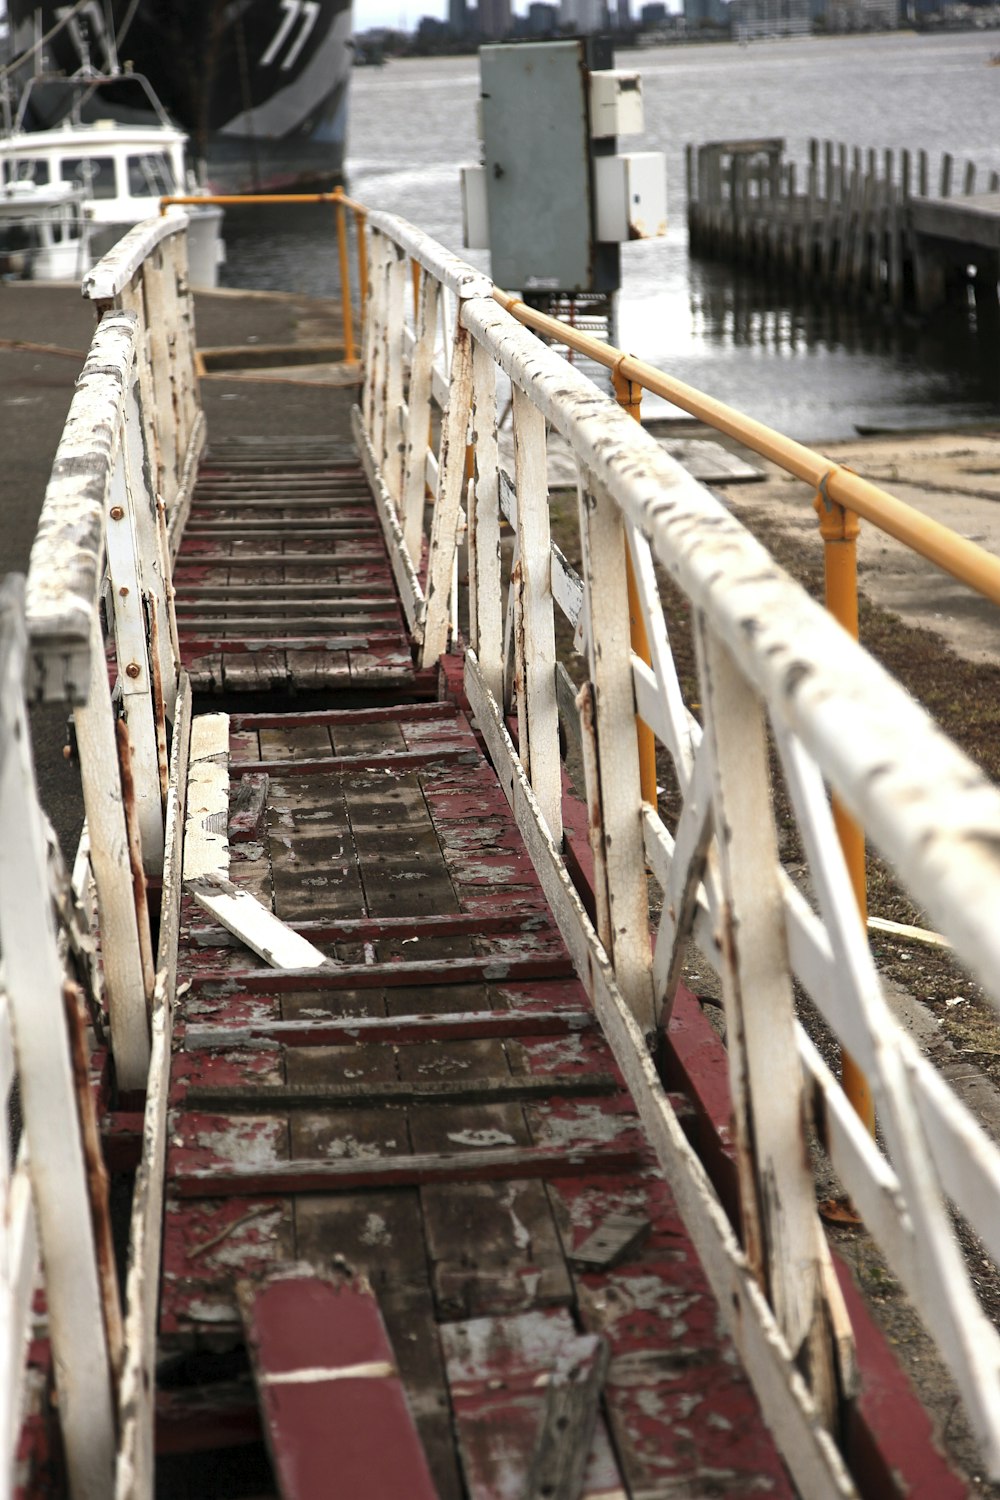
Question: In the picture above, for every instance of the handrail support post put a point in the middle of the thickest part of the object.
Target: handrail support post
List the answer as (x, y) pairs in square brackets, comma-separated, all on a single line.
[(628, 394), (840, 529)]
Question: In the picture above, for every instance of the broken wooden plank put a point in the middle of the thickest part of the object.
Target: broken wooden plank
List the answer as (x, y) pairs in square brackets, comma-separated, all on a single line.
[(325, 1370), (611, 1242), (256, 926), (476, 1165), (498, 1372), (260, 1097), (572, 1401)]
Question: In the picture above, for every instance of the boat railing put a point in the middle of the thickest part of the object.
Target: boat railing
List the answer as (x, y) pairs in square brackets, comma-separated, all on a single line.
[(775, 678)]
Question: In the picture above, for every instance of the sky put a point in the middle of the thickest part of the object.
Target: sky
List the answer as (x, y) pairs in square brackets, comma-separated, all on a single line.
[(402, 13)]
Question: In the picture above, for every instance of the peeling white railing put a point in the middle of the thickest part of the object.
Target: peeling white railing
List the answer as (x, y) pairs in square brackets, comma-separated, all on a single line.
[(57, 1173), (102, 537), (146, 273), (773, 670)]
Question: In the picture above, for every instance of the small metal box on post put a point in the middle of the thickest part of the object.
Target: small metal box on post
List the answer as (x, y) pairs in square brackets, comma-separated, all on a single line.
[(553, 198)]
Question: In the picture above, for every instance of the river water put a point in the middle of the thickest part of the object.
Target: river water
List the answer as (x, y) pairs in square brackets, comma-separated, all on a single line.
[(815, 372)]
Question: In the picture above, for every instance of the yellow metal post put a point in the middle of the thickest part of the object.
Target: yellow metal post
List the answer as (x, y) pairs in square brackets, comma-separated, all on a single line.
[(345, 282), (839, 529), (628, 394)]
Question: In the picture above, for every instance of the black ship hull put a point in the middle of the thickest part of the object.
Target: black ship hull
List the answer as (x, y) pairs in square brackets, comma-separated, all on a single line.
[(260, 86)]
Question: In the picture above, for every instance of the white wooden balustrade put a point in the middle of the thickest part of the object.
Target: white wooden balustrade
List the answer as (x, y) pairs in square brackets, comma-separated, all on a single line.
[(111, 521), (774, 671), (101, 537), (146, 273)]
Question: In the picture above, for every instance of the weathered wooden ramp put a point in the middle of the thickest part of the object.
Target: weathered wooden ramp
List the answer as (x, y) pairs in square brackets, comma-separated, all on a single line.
[(437, 1110), (283, 581)]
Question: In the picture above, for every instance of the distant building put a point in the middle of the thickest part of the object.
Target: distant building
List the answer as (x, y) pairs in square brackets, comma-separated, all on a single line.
[(862, 15), (542, 18), (458, 17), (653, 14), (624, 17), (702, 13), (760, 18), (494, 19), (583, 16)]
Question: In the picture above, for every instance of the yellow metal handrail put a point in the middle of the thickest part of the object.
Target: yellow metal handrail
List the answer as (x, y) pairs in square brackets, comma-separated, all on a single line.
[(964, 560), (341, 202)]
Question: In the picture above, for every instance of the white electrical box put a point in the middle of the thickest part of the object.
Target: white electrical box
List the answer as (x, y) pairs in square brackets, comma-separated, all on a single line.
[(615, 104), (630, 196), (475, 209)]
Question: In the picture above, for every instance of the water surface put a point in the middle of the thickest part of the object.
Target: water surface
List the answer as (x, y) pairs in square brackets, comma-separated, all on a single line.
[(818, 371)]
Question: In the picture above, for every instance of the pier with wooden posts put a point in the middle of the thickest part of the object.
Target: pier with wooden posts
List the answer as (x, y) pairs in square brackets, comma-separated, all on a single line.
[(444, 1182), (887, 227)]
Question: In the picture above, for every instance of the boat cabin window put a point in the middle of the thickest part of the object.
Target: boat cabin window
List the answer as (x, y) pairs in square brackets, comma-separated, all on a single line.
[(149, 175), (28, 169), (96, 174)]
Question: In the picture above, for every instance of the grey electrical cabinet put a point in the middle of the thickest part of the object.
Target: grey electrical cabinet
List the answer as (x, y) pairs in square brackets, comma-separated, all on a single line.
[(537, 160)]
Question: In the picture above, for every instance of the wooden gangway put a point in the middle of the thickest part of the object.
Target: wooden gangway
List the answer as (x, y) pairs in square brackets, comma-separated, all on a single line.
[(446, 1183)]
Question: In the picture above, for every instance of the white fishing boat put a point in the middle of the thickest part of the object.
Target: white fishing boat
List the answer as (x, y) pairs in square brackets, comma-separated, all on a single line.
[(44, 232), (119, 169)]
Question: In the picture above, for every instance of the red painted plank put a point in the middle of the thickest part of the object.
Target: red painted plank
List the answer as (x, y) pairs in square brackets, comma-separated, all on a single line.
[(350, 1175), (395, 1031), (335, 1414), (398, 714), (343, 765), (523, 914), (382, 976)]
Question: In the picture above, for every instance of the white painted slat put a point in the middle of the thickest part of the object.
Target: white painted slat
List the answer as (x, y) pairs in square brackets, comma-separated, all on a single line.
[(534, 635), (121, 951), (206, 831), (418, 418), (154, 567), (159, 301), (691, 872), (243, 915), (485, 598), (609, 651), (395, 434), (451, 486), (683, 733), (134, 678), (781, 1231)]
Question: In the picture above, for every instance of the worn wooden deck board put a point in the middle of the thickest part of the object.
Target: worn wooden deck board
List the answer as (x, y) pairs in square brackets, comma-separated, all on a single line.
[(392, 863), (282, 580)]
